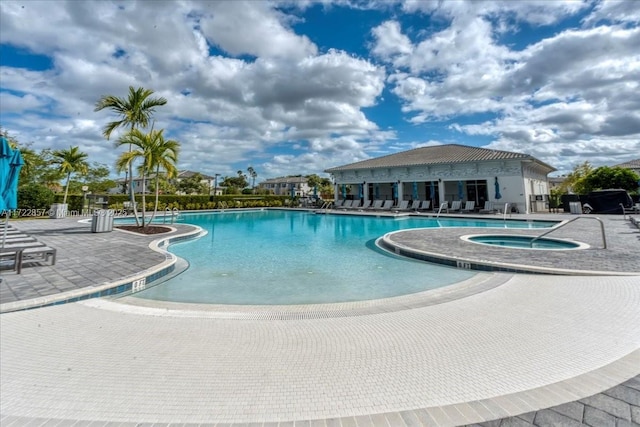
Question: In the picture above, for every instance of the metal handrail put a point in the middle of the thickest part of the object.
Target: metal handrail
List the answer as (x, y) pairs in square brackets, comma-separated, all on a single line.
[(604, 239), (175, 212), (443, 205), (167, 211), (506, 208)]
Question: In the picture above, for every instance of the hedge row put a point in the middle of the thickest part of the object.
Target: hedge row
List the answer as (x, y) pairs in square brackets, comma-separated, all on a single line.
[(194, 202)]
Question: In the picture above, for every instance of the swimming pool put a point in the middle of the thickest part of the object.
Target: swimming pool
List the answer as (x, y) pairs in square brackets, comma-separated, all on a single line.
[(525, 242), (266, 257)]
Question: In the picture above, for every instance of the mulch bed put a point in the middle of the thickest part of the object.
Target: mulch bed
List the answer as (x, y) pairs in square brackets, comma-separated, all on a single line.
[(150, 229)]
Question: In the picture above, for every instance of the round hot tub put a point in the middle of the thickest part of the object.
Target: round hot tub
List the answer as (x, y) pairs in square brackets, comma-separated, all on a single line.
[(524, 242)]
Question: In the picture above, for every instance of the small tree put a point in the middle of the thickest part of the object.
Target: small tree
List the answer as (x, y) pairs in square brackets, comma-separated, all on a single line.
[(193, 185), (70, 161), (611, 177)]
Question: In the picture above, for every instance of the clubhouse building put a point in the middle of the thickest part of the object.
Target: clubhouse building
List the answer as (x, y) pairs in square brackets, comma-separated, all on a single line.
[(444, 173)]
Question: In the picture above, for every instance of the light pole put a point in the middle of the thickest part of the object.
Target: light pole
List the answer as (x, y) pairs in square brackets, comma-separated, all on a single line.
[(215, 184), (85, 188)]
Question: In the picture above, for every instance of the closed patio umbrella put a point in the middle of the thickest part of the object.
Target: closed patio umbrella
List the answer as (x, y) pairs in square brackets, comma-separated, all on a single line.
[(460, 190), (433, 191), (395, 190), (359, 191), (497, 187), (377, 192), (9, 186), (415, 190), (344, 191)]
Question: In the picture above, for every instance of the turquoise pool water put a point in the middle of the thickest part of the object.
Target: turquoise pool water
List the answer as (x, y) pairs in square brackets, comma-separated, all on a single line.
[(524, 242), (292, 257)]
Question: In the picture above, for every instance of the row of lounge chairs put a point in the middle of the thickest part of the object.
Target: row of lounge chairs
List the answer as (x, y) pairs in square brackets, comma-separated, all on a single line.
[(20, 249), (415, 205)]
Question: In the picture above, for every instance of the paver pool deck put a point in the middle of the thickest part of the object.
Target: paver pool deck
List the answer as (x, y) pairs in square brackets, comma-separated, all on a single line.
[(499, 346)]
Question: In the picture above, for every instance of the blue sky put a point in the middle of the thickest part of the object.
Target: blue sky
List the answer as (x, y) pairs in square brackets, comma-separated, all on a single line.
[(297, 87)]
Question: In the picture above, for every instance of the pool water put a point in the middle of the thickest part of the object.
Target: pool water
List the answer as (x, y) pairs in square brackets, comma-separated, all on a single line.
[(269, 257), (524, 242)]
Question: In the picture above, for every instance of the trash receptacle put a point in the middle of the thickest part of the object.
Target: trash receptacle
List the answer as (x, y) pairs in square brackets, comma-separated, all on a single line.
[(575, 207), (102, 221), (58, 210)]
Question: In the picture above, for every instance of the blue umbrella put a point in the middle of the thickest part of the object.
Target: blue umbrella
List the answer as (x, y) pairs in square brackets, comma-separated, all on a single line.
[(395, 190), (377, 192), (433, 190), (5, 156), (315, 192), (497, 185), (344, 191), (9, 185), (460, 190), (10, 188), (415, 190), (359, 191), (293, 191)]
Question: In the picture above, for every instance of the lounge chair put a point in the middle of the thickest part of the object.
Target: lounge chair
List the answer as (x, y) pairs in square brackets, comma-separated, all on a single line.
[(355, 204), (377, 204), (488, 208), (456, 205), (36, 254), (415, 205), (365, 205), (403, 206), (469, 206), (338, 203), (425, 205), (387, 205), (345, 205)]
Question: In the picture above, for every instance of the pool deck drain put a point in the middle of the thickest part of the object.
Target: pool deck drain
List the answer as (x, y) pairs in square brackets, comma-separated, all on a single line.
[(533, 342)]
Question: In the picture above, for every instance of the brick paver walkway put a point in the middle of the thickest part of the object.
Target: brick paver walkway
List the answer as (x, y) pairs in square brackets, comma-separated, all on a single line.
[(525, 344)]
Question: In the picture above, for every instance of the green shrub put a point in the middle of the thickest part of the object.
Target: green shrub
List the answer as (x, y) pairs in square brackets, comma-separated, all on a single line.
[(35, 196)]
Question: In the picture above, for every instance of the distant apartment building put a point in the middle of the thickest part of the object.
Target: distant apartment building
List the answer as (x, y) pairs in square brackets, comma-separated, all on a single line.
[(283, 186), (209, 181)]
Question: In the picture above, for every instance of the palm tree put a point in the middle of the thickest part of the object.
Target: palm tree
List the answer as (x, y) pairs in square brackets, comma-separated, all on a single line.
[(133, 111), (164, 157), (154, 152), (253, 174), (70, 161)]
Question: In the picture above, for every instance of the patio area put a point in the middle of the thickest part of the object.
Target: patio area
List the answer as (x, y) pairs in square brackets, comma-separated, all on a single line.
[(522, 349)]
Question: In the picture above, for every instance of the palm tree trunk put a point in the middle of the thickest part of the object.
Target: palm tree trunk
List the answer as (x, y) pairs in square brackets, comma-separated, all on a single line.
[(144, 201), (155, 206), (66, 189), (132, 198)]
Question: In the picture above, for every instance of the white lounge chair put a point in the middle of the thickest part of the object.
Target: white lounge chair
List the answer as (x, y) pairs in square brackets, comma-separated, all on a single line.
[(403, 205), (365, 205), (469, 206), (347, 204), (415, 205), (425, 205), (387, 205), (488, 208), (456, 205), (377, 204)]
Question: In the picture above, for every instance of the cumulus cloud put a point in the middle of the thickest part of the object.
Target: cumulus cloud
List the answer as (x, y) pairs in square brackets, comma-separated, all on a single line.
[(564, 98), (238, 79), (246, 85)]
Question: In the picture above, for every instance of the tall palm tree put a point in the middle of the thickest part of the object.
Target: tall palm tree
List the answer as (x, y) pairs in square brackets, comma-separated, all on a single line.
[(154, 152), (133, 111), (70, 161), (253, 174), (164, 157)]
